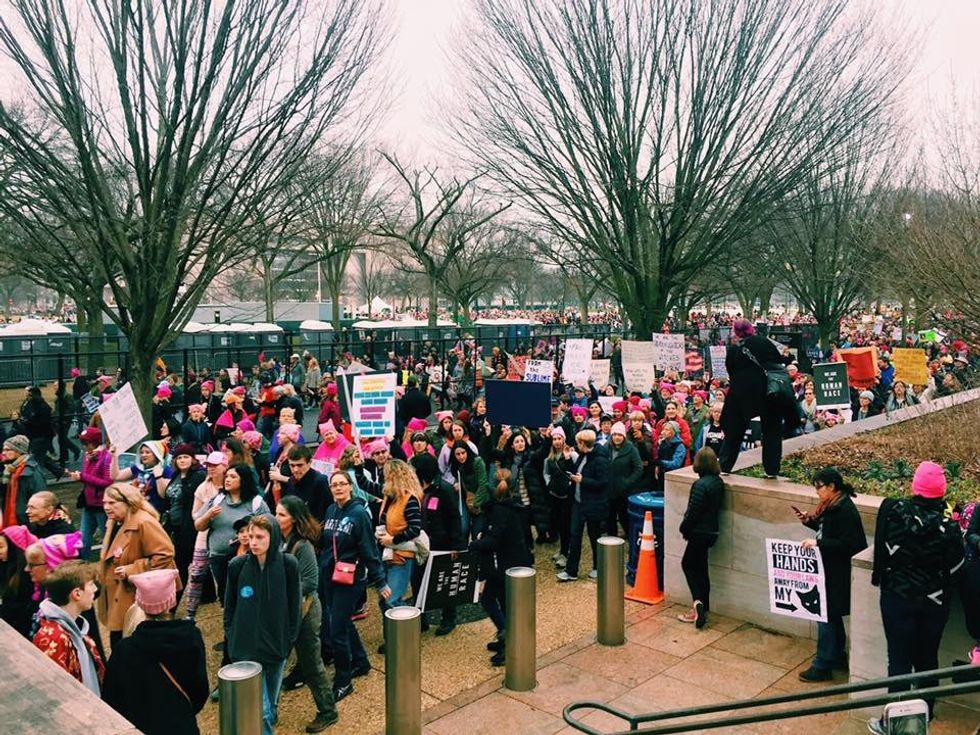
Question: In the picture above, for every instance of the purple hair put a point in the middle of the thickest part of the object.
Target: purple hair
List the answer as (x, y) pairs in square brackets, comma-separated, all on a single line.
[(743, 328)]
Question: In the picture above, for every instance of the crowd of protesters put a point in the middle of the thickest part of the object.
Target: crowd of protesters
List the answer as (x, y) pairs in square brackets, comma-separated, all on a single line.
[(230, 500)]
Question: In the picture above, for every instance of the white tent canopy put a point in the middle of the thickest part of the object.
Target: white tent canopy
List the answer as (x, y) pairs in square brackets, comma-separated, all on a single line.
[(33, 327), (314, 325), (400, 324), (504, 322)]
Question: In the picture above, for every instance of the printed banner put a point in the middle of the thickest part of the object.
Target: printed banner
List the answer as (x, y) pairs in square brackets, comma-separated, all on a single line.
[(435, 374), (599, 373), (910, 365), (539, 371), (122, 419), (373, 405), (638, 366), (449, 579), (797, 587), (578, 356), (668, 352), (830, 385), (718, 369)]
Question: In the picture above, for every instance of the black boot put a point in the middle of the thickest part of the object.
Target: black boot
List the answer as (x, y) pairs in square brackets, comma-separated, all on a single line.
[(292, 680)]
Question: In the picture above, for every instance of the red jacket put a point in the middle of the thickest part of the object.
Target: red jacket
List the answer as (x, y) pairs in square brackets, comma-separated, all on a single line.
[(56, 644), (330, 409)]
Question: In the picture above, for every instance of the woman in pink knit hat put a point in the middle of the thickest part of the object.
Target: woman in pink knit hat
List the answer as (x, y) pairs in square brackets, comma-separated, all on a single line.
[(917, 553)]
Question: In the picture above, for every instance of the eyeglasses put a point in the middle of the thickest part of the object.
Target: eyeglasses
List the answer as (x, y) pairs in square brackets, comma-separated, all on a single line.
[(339, 484)]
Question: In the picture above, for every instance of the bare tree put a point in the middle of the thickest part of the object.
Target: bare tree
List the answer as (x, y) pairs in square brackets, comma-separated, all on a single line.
[(651, 134), (172, 122), (372, 277), (419, 223)]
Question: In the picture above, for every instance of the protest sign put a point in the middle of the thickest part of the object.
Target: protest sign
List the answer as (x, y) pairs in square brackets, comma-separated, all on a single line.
[(638, 366), (599, 373), (373, 405), (910, 365), (718, 369), (862, 365), (323, 466), (929, 335), (896, 334), (90, 403), (668, 351), (435, 374), (694, 364), (449, 579), (234, 375), (122, 419), (607, 403), (539, 371), (879, 326), (797, 587), (578, 356), (516, 366), (830, 386), (518, 403)]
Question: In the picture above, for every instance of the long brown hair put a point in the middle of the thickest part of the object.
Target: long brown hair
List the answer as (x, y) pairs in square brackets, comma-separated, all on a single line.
[(305, 526)]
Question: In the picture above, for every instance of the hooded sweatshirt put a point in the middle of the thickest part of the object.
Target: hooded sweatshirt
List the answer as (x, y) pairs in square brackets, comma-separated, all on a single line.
[(350, 529), (137, 687), (65, 641), (262, 604)]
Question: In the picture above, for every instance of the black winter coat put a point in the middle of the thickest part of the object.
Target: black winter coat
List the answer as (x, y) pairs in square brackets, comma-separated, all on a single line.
[(625, 471), (136, 686), (533, 482), (747, 396), (503, 544), (840, 535), (440, 517), (414, 405), (197, 434), (594, 488), (703, 506)]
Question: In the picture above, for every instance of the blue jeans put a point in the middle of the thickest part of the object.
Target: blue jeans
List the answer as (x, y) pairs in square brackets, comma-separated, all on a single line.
[(831, 644), (92, 520), (399, 579), (271, 683)]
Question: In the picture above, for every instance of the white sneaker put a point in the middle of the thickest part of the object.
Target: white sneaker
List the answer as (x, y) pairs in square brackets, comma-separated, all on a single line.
[(594, 574), (565, 577), (560, 560)]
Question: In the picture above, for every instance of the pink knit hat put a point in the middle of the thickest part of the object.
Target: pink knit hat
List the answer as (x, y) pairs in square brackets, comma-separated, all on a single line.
[(164, 391), (156, 591), (618, 428), (290, 431), (378, 445), (61, 547), (417, 424), (245, 425), (326, 426), (929, 480), (19, 536), (579, 411), (440, 415), (557, 431), (217, 458), (75, 372), (253, 439)]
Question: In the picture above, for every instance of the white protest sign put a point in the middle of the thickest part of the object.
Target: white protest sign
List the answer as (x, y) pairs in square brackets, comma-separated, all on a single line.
[(373, 405), (322, 466), (122, 419), (896, 334), (599, 373), (539, 371), (435, 374), (718, 369), (668, 351), (797, 587), (638, 368), (578, 356), (607, 403)]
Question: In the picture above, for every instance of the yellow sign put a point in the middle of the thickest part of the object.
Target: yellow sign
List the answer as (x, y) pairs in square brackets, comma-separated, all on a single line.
[(910, 365)]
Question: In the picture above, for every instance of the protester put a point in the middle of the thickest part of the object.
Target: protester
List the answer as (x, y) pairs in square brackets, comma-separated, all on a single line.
[(626, 477), (46, 516), (840, 535), (200, 572), (22, 477), (699, 528), (95, 476), (590, 501), (35, 422), (917, 552), (157, 677), (401, 526), (556, 467), (135, 542), (63, 633), (263, 608), (195, 430), (177, 518), (151, 475), (16, 585), (469, 473)]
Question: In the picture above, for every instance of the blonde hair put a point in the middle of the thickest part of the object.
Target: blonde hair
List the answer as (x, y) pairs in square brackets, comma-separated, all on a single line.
[(400, 479), (347, 457), (637, 415), (122, 492)]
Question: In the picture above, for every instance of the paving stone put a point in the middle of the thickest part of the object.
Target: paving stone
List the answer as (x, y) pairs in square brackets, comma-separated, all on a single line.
[(726, 673), (768, 647), (672, 636), (496, 714), (560, 684), (630, 664)]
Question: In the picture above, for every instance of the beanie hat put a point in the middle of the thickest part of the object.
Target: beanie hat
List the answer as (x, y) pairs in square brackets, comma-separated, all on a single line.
[(253, 439), (557, 431), (164, 391), (91, 435), (326, 426), (331, 389), (75, 372), (61, 547), (618, 428), (184, 448), (634, 399), (702, 394), (239, 390), (158, 449), (416, 424), (208, 384), (619, 405), (156, 591), (18, 443), (440, 415), (868, 395), (217, 458), (378, 445), (929, 480), (643, 404), (290, 431), (579, 411), (104, 379), (245, 425), (197, 407), (463, 416), (19, 536)]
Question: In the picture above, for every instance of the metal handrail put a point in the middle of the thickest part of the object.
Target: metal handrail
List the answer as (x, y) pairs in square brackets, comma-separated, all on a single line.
[(634, 720)]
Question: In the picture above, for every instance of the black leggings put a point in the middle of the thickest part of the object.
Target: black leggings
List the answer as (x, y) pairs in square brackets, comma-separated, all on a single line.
[(694, 563)]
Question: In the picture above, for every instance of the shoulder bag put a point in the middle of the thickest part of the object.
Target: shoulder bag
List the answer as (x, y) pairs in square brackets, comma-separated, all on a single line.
[(778, 383), (344, 572)]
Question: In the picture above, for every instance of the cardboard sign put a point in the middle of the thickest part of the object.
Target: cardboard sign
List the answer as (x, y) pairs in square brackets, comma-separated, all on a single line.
[(607, 403), (518, 403), (638, 365), (910, 365), (599, 373), (862, 365), (830, 386), (435, 374), (516, 367), (718, 369), (578, 358), (448, 581), (896, 334), (122, 419), (539, 371), (668, 351), (797, 587), (373, 405)]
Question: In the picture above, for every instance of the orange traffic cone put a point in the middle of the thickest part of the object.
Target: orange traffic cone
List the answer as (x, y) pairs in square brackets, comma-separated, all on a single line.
[(647, 587)]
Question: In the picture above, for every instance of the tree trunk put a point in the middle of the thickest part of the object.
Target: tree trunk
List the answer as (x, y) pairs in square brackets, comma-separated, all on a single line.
[(765, 301), (141, 374), (746, 304), (335, 308), (433, 301), (270, 307)]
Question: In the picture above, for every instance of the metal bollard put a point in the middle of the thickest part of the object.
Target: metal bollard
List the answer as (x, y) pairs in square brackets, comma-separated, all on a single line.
[(240, 699), (610, 601), (520, 642), (403, 671)]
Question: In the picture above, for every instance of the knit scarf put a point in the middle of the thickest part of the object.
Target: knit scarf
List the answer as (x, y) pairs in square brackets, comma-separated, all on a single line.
[(11, 474), (826, 505)]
